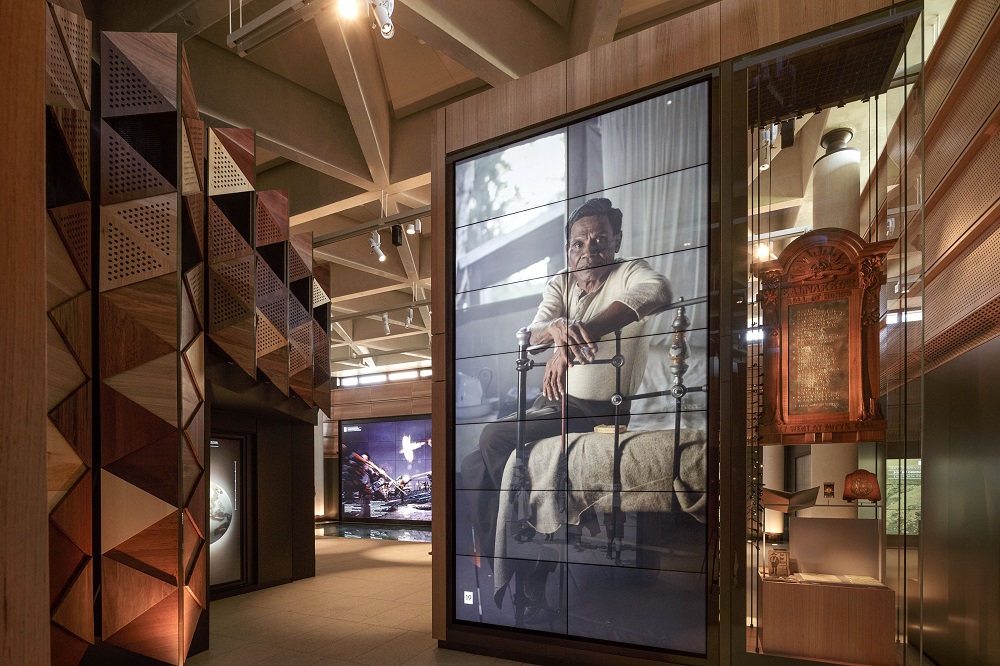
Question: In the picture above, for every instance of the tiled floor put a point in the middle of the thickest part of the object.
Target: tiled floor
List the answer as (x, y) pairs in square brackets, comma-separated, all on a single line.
[(370, 603)]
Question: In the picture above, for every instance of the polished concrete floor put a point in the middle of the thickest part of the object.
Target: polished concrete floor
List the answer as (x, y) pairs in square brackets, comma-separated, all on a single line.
[(370, 603)]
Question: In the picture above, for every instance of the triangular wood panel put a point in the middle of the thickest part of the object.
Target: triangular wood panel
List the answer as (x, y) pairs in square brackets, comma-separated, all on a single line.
[(196, 506), (127, 510), (192, 545), (189, 320), (127, 426), (228, 307), (275, 368), (154, 551), (189, 395), (195, 433), (67, 649), (141, 73), (239, 275), (191, 470), (301, 244), (269, 285), (224, 174), (138, 240), (73, 418), (72, 320), (63, 466), (61, 273), (275, 309), (319, 296), (302, 384), (65, 561), (76, 32), (197, 582), (125, 174), (194, 357), (127, 594), (237, 340), (192, 611), (74, 126), (225, 242), (74, 514), (64, 373), (73, 223), (75, 612), (125, 343), (194, 280), (272, 217), (297, 268), (152, 468), (152, 385), (61, 85), (239, 143), (153, 303), (195, 205), (154, 633)]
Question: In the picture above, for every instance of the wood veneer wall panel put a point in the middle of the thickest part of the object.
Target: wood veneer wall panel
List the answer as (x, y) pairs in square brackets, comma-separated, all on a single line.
[(69, 367), (686, 44), (152, 347)]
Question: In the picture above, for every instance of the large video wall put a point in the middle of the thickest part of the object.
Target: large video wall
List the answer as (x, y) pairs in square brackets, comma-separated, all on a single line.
[(569, 236), (385, 469)]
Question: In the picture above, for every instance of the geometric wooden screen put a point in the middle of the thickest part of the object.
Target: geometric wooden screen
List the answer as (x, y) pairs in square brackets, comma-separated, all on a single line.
[(321, 337), (300, 320), (231, 263), (69, 233), (151, 310), (271, 242)]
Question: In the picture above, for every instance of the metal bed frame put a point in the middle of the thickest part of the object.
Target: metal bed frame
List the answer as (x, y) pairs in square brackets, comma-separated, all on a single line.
[(678, 355)]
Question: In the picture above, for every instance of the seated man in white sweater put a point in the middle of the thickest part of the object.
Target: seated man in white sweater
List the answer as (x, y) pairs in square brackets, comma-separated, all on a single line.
[(580, 311)]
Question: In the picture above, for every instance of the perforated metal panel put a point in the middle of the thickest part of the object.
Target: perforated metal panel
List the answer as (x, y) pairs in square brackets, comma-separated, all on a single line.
[(269, 339), (125, 174), (239, 276), (224, 176), (974, 105), (76, 33), (126, 91), (61, 88), (224, 241), (967, 23), (965, 202)]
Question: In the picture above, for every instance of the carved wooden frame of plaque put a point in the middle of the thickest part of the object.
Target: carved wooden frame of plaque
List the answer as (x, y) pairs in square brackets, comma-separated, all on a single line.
[(818, 277)]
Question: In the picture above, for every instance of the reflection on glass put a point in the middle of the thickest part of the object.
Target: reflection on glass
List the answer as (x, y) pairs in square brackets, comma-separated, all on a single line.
[(569, 333)]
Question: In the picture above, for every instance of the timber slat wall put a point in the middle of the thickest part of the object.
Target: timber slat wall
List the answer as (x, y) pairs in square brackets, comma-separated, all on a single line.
[(692, 42)]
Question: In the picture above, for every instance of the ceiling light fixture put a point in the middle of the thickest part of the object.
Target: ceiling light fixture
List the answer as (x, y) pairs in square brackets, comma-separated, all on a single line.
[(385, 323), (383, 17), (347, 9), (272, 24), (397, 235), (409, 318), (413, 227), (375, 243)]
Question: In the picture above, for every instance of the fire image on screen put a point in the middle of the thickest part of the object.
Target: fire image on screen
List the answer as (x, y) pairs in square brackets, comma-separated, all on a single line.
[(385, 470), (581, 267)]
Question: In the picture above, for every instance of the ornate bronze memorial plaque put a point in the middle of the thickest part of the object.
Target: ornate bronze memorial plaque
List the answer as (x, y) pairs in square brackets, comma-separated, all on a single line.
[(820, 301)]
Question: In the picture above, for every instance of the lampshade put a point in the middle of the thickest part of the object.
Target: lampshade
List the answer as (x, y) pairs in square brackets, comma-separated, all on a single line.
[(862, 485)]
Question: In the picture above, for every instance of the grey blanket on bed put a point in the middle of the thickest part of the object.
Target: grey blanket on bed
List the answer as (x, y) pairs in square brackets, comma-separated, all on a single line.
[(647, 464)]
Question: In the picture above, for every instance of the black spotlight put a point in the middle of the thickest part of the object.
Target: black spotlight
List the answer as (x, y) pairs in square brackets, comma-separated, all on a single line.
[(397, 235)]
